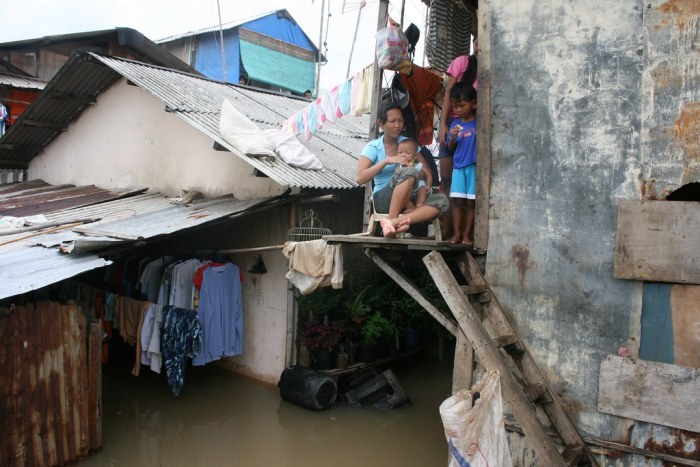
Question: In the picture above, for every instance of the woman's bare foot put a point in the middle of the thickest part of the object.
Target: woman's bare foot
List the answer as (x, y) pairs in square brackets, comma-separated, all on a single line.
[(388, 229), (455, 239), (391, 227), (403, 225)]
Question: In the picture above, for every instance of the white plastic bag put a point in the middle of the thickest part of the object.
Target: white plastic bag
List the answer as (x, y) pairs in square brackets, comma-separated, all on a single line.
[(392, 50), (476, 435)]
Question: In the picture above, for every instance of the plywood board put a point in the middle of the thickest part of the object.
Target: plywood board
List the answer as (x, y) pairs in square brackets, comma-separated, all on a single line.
[(658, 241), (653, 392), (685, 314)]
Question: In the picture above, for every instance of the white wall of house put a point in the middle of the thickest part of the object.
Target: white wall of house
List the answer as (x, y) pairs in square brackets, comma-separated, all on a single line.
[(127, 140)]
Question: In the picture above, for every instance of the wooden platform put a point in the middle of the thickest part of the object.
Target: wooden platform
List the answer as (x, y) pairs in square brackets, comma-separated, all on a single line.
[(415, 243)]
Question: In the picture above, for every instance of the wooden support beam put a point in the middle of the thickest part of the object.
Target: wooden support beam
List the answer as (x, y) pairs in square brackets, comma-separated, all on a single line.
[(413, 291), (489, 355), (463, 369), (69, 96), (40, 124)]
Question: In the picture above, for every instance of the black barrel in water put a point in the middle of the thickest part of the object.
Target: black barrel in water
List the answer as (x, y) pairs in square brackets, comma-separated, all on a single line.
[(307, 388)]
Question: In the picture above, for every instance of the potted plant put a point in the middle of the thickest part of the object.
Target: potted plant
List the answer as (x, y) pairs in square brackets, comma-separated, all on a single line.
[(411, 317), (378, 334), (321, 337)]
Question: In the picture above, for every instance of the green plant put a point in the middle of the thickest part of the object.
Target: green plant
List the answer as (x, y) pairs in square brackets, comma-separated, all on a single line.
[(322, 334), (407, 312), (320, 303), (357, 307), (377, 329)]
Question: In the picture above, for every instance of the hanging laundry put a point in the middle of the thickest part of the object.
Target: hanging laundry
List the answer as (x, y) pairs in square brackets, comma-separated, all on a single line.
[(181, 333), (4, 117), (329, 105), (314, 264), (221, 314), (181, 283), (423, 87), (353, 96), (363, 93), (344, 97)]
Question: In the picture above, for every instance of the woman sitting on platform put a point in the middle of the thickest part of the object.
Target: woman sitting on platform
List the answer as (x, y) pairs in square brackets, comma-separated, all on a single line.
[(394, 186)]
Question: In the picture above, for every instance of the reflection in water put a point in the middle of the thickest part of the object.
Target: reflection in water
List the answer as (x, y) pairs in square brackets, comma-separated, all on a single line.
[(223, 419)]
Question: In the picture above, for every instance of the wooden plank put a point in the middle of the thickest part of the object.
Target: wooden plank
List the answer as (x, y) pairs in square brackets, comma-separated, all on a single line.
[(94, 386), (685, 314), (496, 316), (490, 357), (652, 392), (413, 291), (367, 241), (658, 241), (483, 147), (463, 369)]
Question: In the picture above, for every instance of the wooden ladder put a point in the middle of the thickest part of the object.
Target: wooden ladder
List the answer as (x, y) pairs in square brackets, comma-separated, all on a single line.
[(524, 387)]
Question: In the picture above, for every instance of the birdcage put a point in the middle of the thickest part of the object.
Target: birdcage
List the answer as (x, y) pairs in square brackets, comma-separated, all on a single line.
[(310, 228)]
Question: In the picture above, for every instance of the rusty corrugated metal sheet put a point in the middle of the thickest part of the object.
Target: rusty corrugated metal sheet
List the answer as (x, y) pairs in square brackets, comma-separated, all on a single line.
[(51, 402), (37, 197)]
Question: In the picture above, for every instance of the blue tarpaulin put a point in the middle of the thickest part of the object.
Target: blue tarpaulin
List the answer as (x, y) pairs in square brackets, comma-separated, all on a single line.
[(280, 27), (208, 60), (262, 64)]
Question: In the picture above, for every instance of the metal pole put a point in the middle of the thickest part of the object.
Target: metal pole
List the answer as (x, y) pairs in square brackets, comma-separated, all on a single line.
[(403, 8), (354, 38), (221, 35), (320, 48), (378, 74), (425, 31)]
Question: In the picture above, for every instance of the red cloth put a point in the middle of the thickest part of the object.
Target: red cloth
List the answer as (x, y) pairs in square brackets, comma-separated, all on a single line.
[(423, 87)]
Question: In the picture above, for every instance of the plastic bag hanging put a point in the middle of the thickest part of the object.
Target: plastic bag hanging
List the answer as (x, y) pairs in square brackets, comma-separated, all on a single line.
[(392, 50)]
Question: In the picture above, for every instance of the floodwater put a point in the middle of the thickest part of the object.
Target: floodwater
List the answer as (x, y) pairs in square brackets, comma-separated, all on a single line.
[(224, 419)]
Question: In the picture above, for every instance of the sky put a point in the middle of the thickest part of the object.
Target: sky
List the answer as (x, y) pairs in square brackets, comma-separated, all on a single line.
[(157, 19)]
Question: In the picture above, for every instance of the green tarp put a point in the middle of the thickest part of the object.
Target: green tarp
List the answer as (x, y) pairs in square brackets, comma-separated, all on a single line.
[(277, 69)]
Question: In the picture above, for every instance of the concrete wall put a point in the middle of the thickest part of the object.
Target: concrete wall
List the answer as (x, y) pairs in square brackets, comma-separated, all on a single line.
[(588, 99), (127, 141)]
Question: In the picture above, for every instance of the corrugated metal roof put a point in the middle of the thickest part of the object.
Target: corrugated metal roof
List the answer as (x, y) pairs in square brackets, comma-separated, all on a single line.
[(142, 46), (197, 101), (20, 82), (38, 197), (31, 268), (35, 259)]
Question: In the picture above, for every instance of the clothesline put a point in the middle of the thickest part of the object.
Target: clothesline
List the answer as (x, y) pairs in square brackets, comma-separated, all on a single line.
[(353, 96)]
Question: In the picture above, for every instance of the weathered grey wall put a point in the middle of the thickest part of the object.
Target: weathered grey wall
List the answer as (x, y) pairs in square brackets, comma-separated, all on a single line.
[(566, 84)]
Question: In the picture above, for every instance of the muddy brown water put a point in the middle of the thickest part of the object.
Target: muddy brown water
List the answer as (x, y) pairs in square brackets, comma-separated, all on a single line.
[(224, 419)]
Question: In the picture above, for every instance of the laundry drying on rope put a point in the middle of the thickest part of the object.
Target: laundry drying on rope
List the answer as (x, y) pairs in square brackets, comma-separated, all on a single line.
[(351, 97)]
